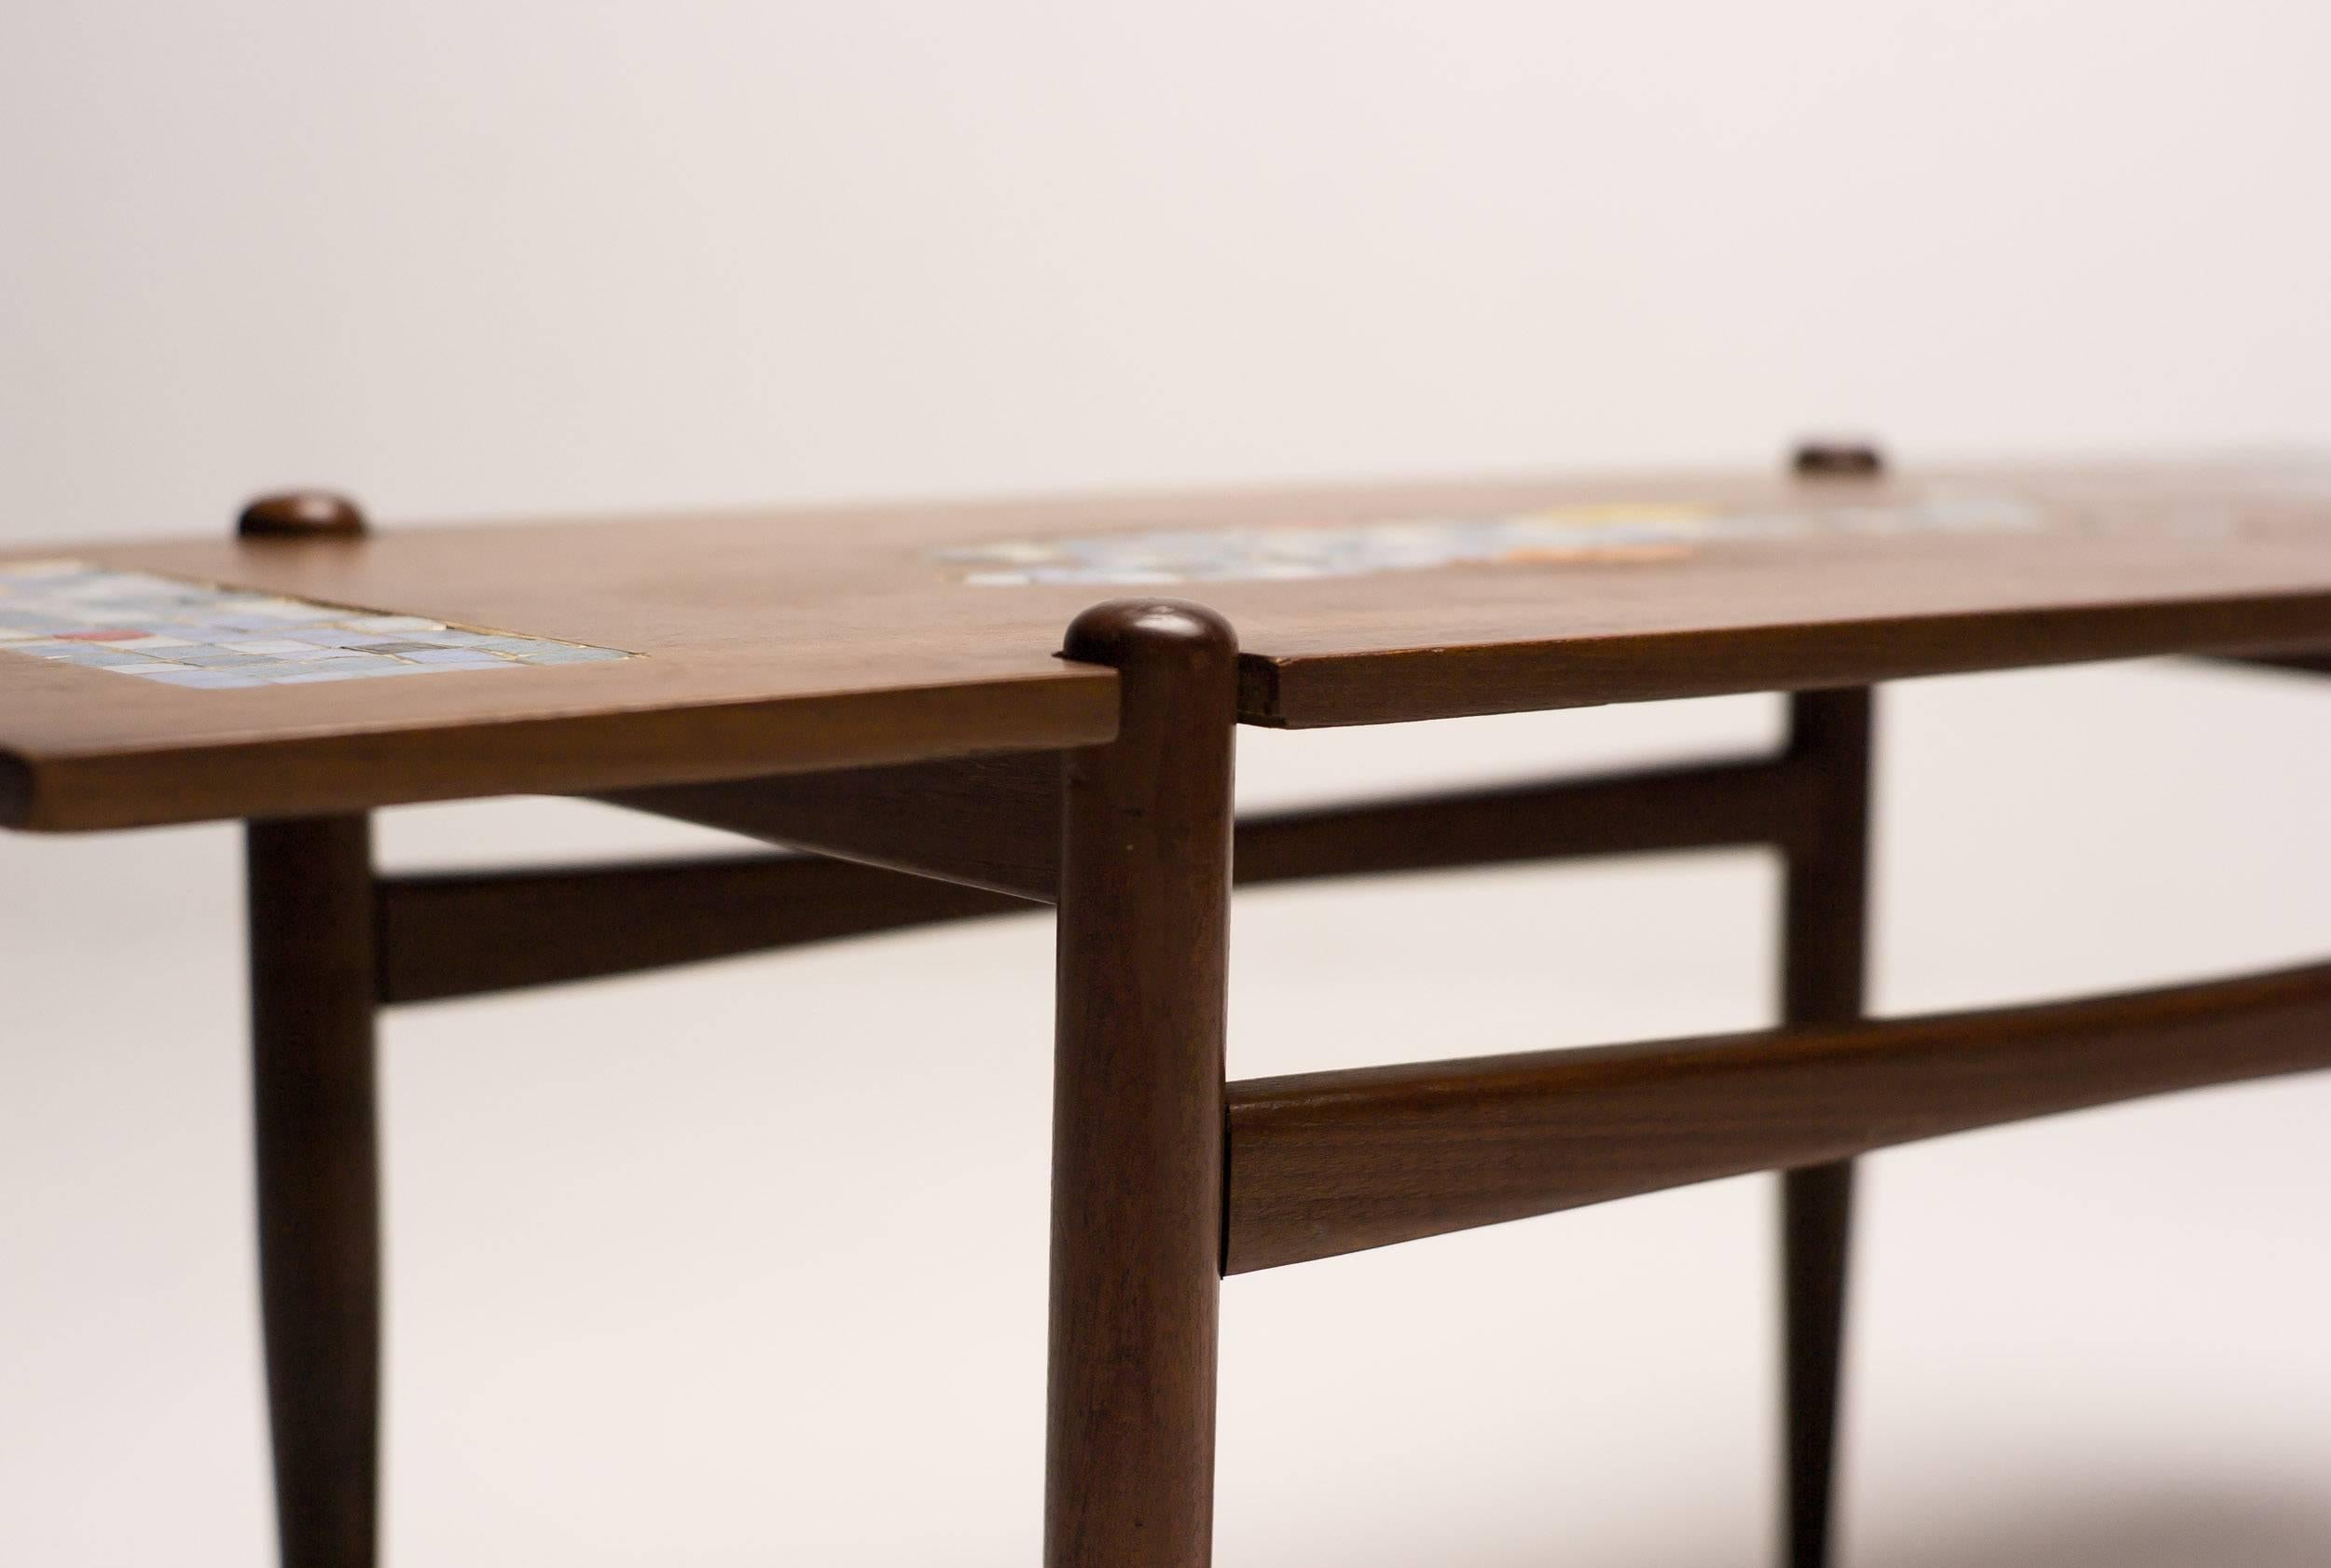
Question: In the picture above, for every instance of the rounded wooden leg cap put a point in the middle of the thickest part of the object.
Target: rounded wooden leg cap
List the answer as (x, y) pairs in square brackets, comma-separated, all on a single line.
[(301, 515), (1114, 632), (1836, 459)]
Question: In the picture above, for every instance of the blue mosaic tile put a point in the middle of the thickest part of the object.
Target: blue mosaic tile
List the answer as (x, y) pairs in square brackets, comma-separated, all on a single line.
[(203, 636), (1617, 531)]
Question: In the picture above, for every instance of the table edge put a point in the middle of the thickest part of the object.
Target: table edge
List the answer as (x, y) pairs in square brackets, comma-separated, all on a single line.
[(1408, 685), (339, 772)]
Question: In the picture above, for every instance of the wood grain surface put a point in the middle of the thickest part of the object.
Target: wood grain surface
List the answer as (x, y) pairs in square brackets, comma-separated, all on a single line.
[(819, 638), (988, 822), (1143, 946), (1825, 944), (448, 934), (1330, 1163), (467, 933), (317, 1155)]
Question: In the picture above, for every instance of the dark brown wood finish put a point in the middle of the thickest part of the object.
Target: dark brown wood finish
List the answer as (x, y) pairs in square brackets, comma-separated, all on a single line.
[(1137, 1098), (15, 790), (991, 822), (301, 516), (453, 934), (1826, 899), (1832, 459), (810, 641), (1331, 1162), (311, 1017), (1702, 806), (800, 644), (1296, 692), (2297, 663)]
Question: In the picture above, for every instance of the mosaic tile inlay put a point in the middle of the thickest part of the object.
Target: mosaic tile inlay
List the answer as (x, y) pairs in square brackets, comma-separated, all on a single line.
[(177, 632), (1568, 533)]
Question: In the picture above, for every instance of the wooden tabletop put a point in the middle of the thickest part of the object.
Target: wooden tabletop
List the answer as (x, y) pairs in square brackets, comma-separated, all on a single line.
[(734, 644)]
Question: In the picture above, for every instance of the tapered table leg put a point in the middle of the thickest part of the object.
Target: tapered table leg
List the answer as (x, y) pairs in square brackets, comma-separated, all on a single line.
[(1826, 924), (1816, 1220), (1138, 1142), (313, 990)]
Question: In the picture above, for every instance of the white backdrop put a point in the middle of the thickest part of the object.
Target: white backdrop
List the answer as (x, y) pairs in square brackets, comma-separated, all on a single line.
[(664, 1291)]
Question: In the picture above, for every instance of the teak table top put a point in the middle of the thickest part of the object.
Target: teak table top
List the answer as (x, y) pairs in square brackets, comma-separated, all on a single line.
[(787, 640)]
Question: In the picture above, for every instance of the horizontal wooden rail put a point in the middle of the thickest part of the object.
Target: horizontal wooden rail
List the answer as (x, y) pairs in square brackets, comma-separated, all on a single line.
[(1701, 806), (1339, 1162), (2316, 663), (469, 933)]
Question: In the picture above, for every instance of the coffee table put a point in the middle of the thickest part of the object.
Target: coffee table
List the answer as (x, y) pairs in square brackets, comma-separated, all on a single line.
[(960, 711)]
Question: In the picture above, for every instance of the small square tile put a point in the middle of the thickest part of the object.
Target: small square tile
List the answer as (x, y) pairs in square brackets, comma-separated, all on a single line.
[(393, 623), (197, 680), (469, 658), (567, 653)]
